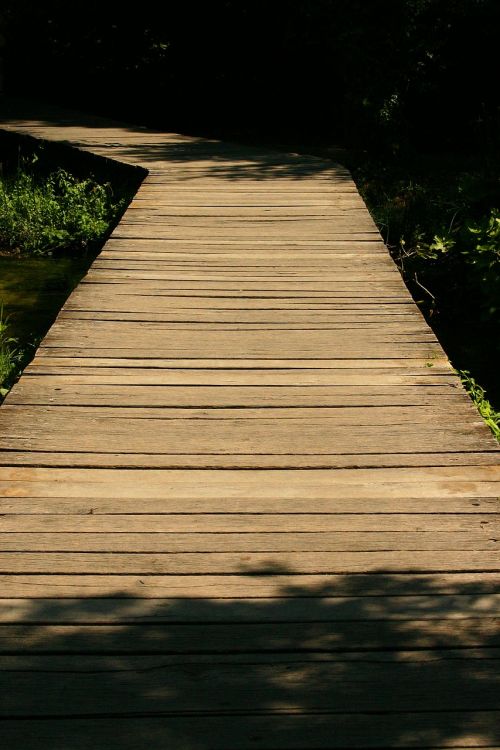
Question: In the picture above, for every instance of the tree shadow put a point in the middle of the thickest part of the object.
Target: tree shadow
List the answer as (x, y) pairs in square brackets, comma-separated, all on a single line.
[(206, 157), (376, 660), (226, 161), (262, 658)]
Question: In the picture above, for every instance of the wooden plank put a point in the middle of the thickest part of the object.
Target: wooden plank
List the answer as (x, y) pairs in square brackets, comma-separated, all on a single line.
[(299, 350), (201, 563), (414, 370), (40, 458), (362, 244), (100, 684), (477, 525), (305, 286), (246, 319), (254, 542), (428, 355), (237, 637), (239, 431), (342, 415), (208, 206), (362, 305), (359, 254), (200, 180), (281, 227), (234, 437), (94, 391), (250, 279), (197, 234), (410, 622), (279, 202), (350, 215), (278, 595), (290, 731), (361, 484), (400, 509), (401, 331), (160, 283)]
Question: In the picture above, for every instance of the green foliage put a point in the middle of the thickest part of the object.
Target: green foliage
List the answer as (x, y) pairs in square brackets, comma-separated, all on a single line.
[(468, 255), (478, 396), (487, 235), (439, 215), (10, 356), (484, 257), (440, 245), (42, 216), (440, 221)]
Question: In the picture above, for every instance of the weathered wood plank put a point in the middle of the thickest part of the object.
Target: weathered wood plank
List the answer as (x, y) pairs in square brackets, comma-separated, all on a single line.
[(94, 391), (201, 563), (425, 619), (400, 510), (236, 637), (247, 541), (282, 596), (361, 484), (100, 684), (290, 731), (187, 523), (34, 458)]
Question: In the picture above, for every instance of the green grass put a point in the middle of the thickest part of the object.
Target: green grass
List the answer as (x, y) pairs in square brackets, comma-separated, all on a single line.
[(478, 396), (54, 214), (10, 356)]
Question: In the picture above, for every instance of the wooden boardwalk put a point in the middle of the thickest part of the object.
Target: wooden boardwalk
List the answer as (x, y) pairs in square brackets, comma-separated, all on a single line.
[(245, 502)]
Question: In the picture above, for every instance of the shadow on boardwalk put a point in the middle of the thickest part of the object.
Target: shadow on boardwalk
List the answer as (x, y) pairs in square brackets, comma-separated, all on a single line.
[(232, 162), (374, 661), (214, 159)]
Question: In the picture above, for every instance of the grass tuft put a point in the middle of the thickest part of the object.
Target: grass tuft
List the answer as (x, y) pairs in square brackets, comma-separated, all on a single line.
[(10, 356), (478, 396)]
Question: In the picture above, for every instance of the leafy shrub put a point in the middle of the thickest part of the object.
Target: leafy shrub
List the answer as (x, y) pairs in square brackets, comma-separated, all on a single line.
[(54, 214)]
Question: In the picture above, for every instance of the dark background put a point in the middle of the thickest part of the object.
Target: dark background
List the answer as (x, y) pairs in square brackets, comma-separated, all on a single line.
[(389, 73), (408, 89)]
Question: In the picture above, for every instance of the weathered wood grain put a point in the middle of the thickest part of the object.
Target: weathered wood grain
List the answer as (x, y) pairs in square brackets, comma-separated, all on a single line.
[(291, 730), (244, 499)]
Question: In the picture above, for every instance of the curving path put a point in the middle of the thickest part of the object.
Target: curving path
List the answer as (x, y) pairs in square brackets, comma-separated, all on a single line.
[(245, 502)]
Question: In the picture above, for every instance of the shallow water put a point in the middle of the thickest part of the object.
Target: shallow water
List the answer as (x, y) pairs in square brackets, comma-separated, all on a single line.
[(33, 290)]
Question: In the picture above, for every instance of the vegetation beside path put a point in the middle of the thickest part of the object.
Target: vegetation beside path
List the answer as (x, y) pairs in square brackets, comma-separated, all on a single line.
[(53, 222), (55, 213), (440, 217)]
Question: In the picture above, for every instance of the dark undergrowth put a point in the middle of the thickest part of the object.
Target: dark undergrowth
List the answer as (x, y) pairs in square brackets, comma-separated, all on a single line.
[(440, 216)]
